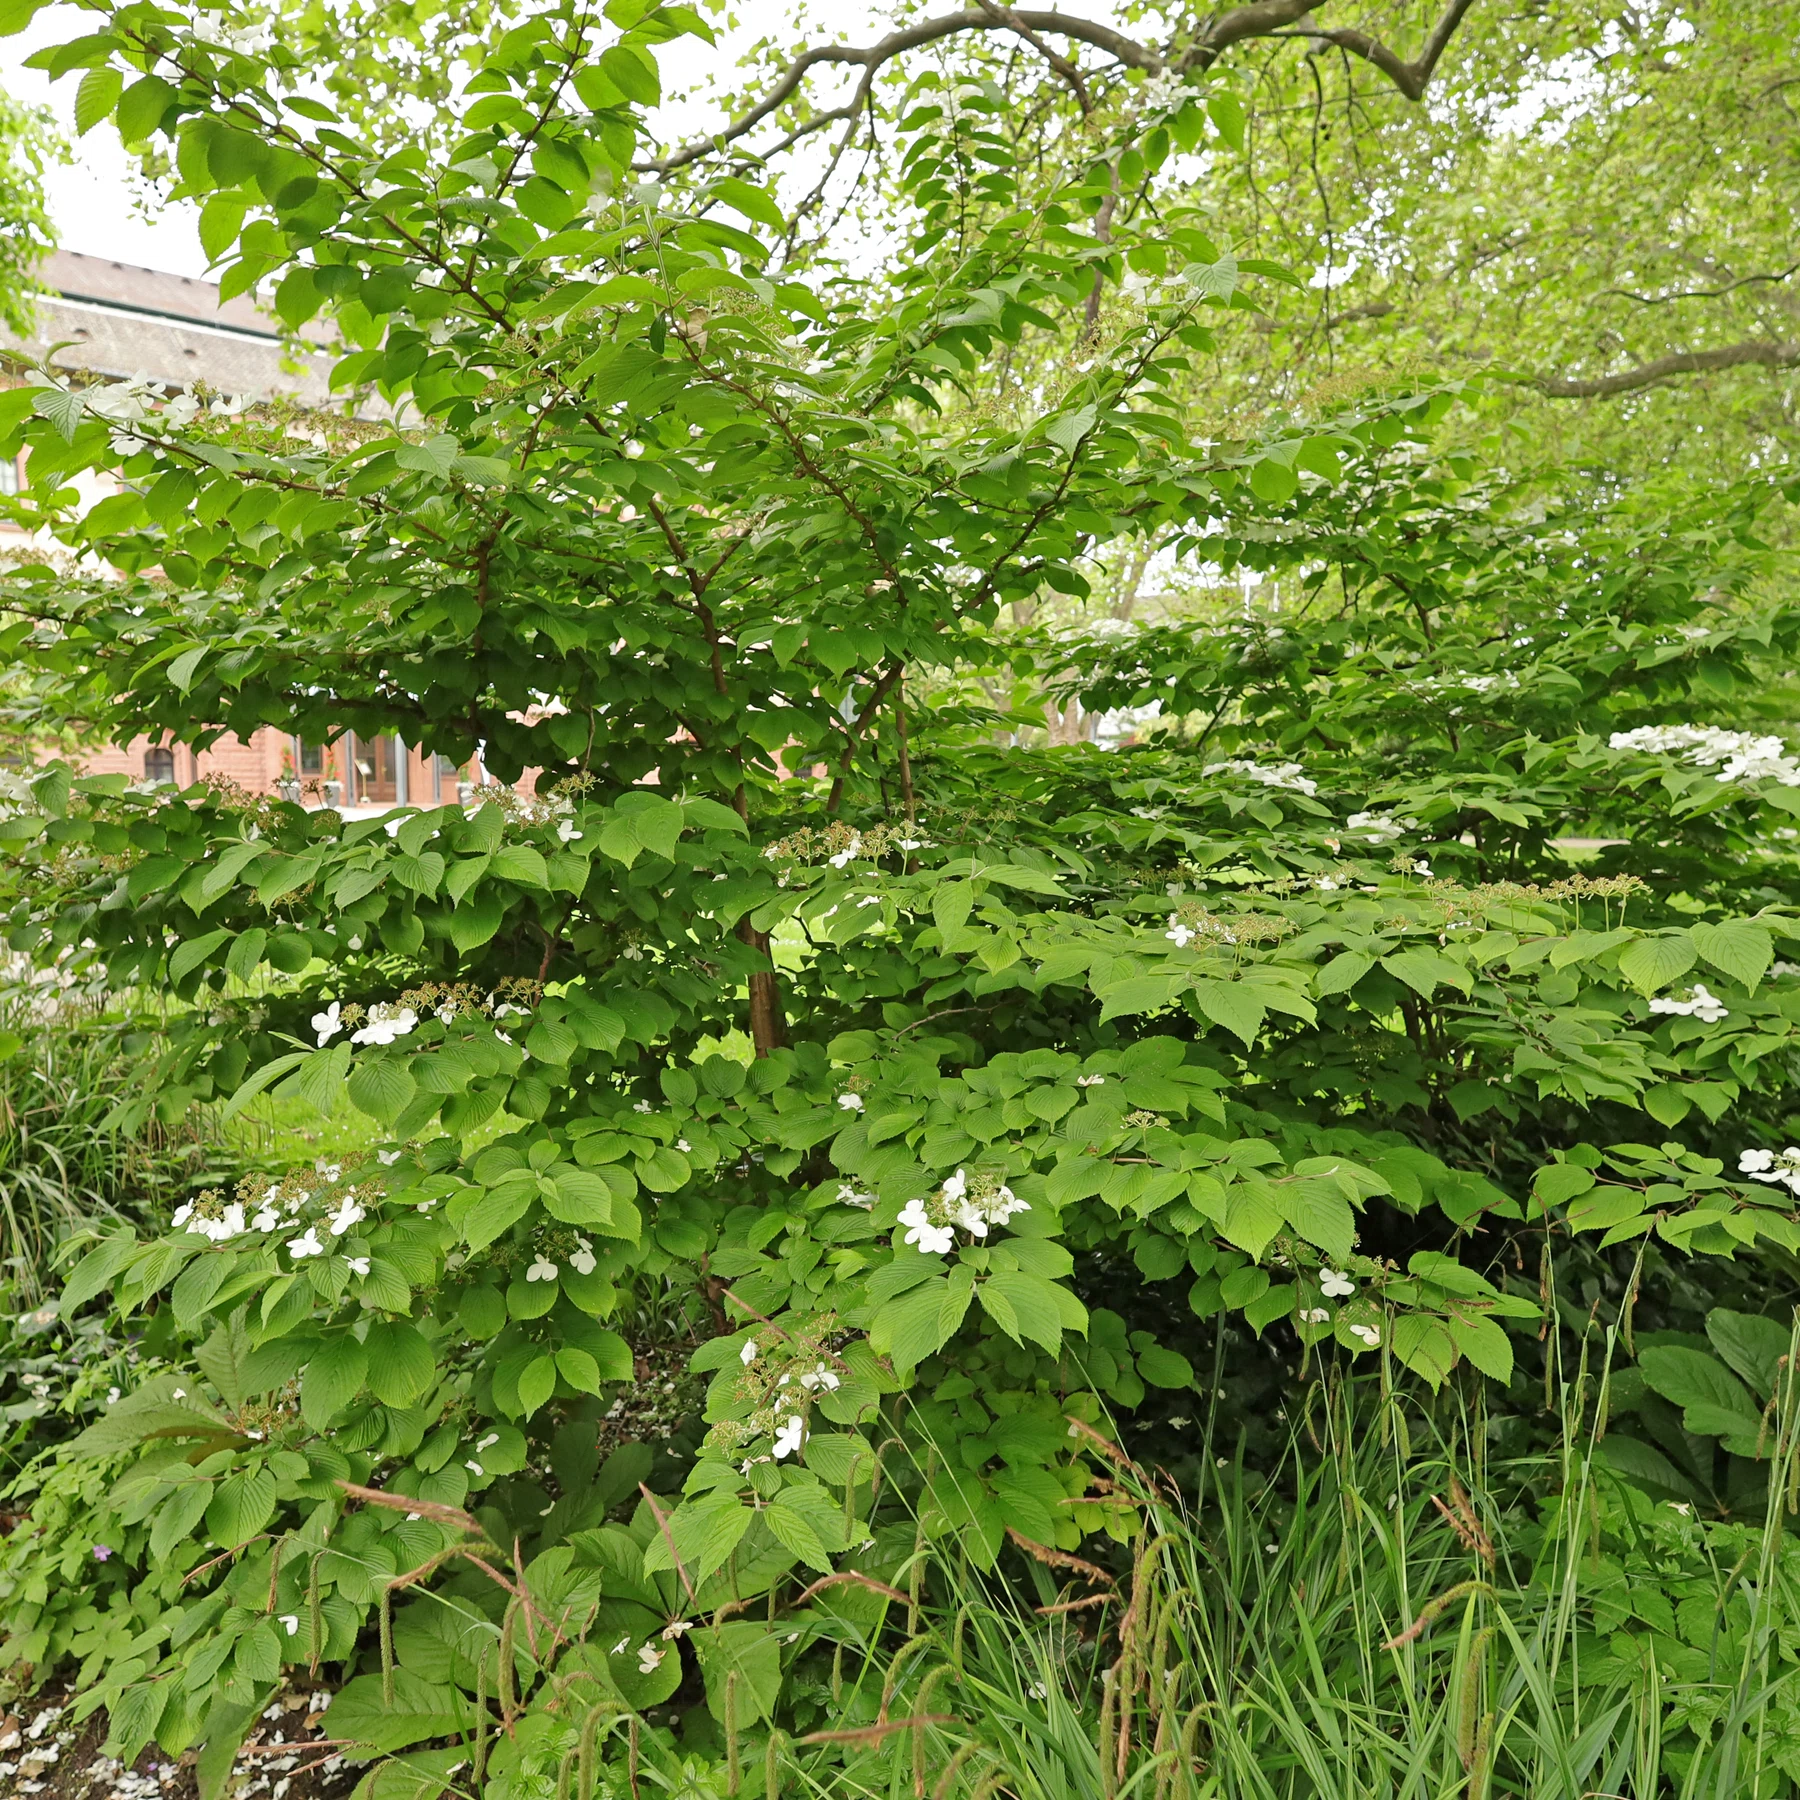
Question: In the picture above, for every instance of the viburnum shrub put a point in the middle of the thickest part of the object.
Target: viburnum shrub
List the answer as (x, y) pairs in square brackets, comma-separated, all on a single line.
[(798, 993)]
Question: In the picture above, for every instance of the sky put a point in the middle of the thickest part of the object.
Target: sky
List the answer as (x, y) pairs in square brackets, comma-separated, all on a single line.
[(97, 211)]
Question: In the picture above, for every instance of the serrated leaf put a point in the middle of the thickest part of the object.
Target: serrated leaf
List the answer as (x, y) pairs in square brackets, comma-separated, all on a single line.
[(1714, 1402), (1742, 950), (333, 1378), (242, 1506), (1653, 962), (537, 1382), (62, 408), (380, 1086), (1485, 1344), (97, 95), (401, 1363)]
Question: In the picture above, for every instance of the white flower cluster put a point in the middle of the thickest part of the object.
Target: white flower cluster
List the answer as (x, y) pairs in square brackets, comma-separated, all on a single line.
[(386, 1022), (129, 403), (1740, 756), (932, 1225), (280, 1207), (1782, 1170), (1275, 775), (1380, 828), (1695, 1003), (556, 809), (248, 40), (581, 1259)]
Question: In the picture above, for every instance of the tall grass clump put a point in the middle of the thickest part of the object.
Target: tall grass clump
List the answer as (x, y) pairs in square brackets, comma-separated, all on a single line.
[(79, 1143), (1387, 1613)]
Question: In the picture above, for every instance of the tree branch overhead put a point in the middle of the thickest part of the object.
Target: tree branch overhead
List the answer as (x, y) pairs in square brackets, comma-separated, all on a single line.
[(1260, 19)]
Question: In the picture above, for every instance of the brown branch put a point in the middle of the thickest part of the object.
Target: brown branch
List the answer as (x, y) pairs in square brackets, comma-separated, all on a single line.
[(897, 43), (1259, 19), (1061, 64), (1757, 353), (1700, 293), (1411, 78)]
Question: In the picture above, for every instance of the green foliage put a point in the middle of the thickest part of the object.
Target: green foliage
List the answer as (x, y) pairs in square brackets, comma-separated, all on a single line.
[(941, 1100), (31, 145)]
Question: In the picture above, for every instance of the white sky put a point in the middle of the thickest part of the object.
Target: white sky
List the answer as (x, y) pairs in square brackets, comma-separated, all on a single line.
[(97, 211)]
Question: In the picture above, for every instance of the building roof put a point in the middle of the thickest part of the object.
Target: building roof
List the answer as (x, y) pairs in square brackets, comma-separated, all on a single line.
[(115, 320)]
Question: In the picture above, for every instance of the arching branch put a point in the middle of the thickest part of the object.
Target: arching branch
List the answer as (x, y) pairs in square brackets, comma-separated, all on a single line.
[(1411, 78), (1258, 19), (1755, 354)]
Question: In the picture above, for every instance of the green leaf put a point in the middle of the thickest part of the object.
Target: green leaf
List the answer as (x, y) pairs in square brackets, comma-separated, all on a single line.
[(401, 1364), (1751, 1344), (254, 1084), (577, 1197), (1253, 1215), (183, 669), (1653, 962), (1342, 973), (1232, 1005), (97, 1268), (497, 1211), (520, 863), (97, 95), (632, 73), (1485, 1344), (1425, 971), (1742, 950), (752, 1652), (141, 108), (187, 957), (320, 1079), (361, 1713), (61, 407), (537, 1382), (752, 202), (1714, 1402), (333, 1378), (579, 1370), (243, 1505), (380, 1086), (1226, 111), (798, 1528), (1164, 1368), (1037, 1311)]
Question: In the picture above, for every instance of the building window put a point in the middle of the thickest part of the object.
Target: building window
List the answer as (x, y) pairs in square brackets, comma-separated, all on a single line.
[(378, 770), (159, 764), (312, 759), (11, 481)]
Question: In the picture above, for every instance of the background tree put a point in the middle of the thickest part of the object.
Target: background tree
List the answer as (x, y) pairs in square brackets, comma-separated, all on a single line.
[(28, 145)]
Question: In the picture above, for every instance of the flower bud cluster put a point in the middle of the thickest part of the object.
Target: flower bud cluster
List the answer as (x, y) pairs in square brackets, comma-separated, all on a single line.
[(840, 845), (975, 1204), (556, 1245), (1194, 920), (556, 809), (782, 1375), (388, 1020), (307, 1201)]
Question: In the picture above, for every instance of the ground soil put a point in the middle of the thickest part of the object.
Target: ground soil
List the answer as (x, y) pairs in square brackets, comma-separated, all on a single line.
[(44, 1755)]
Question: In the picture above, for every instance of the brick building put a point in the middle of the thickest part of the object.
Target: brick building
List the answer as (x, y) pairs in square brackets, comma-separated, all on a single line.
[(113, 322)]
